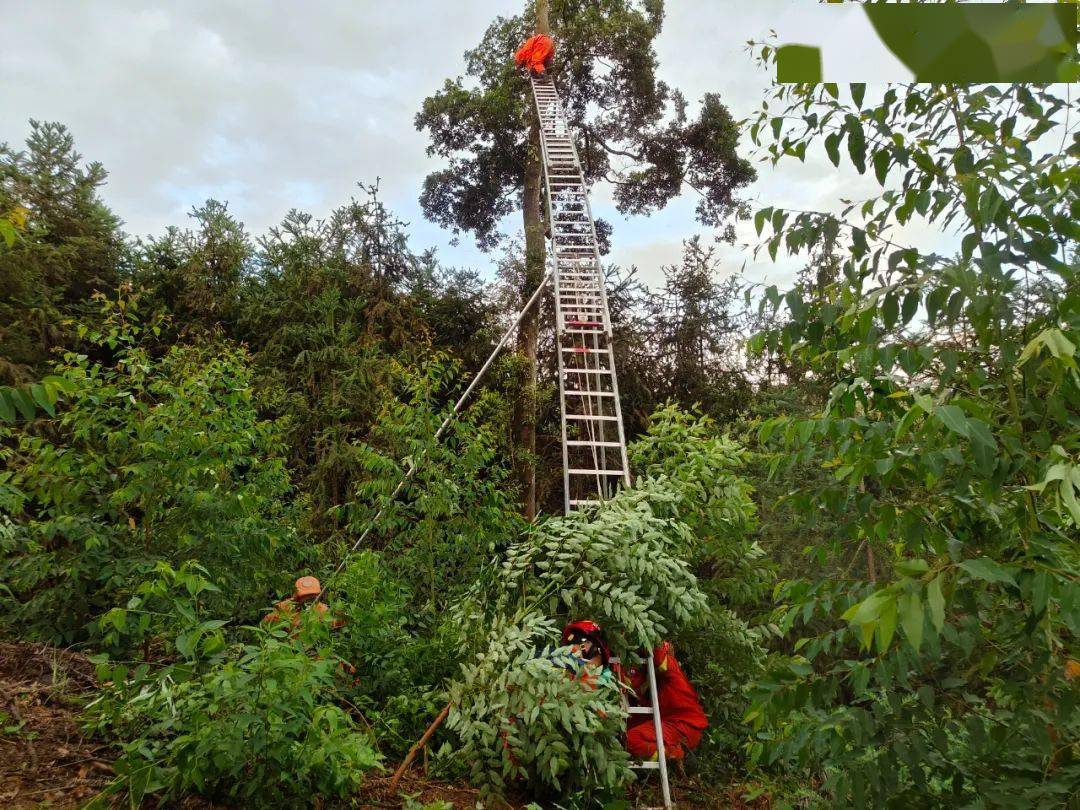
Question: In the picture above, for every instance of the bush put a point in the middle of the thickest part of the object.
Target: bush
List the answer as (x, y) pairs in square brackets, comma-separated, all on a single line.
[(153, 459), (395, 663), (521, 715), (260, 724), (625, 564)]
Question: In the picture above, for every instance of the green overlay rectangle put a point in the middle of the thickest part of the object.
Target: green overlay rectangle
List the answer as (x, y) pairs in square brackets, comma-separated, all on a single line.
[(950, 42)]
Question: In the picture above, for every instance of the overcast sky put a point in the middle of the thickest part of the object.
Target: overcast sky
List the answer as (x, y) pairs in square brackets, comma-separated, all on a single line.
[(275, 104)]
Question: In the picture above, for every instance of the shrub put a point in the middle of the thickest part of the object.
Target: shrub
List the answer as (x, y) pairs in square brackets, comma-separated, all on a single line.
[(153, 459), (394, 663), (520, 715), (259, 724)]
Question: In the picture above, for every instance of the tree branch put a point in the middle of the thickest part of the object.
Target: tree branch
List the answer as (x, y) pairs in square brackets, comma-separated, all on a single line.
[(612, 150)]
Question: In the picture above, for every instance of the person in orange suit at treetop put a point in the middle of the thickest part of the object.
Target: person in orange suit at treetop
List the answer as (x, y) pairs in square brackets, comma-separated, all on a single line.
[(536, 54)]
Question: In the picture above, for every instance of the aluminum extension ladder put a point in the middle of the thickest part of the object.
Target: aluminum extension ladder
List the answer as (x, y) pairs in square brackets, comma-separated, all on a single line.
[(593, 440)]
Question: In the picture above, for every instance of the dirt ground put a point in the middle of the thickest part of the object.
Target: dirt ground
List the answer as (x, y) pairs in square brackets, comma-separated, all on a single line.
[(687, 794), (44, 759)]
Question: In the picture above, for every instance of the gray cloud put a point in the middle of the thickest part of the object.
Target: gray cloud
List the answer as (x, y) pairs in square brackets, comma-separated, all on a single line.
[(275, 105)]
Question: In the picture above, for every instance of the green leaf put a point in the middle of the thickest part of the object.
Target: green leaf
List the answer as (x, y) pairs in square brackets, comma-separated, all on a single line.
[(912, 568), (1068, 497), (953, 418), (185, 644), (988, 570), (137, 785), (910, 307), (911, 618), (886, 626), (869, 609), (881, 165), (1059, 345), (890, 310), (761, 217), (981, 434), (935, 600), (858, 93), (7, 410), (856, 143), (23, 402), (37, 391), (832, 147), (934, 302)]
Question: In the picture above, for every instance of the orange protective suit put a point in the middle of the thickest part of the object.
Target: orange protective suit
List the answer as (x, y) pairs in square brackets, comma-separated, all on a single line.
[(682, 720), (536, 53)]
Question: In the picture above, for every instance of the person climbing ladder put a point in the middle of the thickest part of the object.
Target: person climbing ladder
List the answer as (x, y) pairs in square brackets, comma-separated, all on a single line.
[(536, 54), (681, 716)]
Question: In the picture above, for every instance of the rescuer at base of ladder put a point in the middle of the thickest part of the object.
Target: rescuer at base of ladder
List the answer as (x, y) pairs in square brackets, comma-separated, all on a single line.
[(681, 717)]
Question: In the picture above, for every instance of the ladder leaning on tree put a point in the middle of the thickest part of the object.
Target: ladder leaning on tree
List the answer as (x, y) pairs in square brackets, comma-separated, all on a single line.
[(593, 440)]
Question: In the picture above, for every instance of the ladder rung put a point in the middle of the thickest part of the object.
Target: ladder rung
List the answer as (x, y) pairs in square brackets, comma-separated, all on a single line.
[(651, 765), (639, 709), (588, 393), (592, 417), (584, 443), (587, 370), (582, 471)]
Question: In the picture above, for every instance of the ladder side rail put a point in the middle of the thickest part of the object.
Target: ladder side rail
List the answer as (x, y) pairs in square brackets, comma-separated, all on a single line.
[(555, 281), (602, 284), (658, 729), (599, 275)]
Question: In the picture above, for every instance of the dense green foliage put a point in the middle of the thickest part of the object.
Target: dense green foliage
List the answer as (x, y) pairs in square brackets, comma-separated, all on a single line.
[(950, 434), (252, 722), (625, 564), (631, 127), (855, 510), (151, 460)]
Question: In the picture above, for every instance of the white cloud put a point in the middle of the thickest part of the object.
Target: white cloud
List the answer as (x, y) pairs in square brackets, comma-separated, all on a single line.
[(276, 105)]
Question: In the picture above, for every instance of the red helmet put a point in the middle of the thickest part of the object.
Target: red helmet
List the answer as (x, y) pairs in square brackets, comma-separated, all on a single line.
[(583, 628)]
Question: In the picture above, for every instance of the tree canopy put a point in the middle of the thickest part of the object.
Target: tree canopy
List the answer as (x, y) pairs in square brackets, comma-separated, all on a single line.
[(632, 129)]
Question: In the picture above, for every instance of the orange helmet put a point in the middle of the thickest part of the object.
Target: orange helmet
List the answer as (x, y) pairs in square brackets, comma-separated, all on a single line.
[(307, 588)]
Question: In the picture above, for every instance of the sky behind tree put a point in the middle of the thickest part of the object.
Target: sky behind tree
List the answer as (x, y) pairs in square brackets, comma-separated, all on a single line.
[(276, 106)]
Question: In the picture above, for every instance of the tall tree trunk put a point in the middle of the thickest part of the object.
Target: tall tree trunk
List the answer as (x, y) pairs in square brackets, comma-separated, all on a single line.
[(543, 22), (535, 255)]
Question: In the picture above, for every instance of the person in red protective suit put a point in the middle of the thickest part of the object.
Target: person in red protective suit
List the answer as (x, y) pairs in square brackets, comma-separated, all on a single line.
[(682, 719), (536, 53)]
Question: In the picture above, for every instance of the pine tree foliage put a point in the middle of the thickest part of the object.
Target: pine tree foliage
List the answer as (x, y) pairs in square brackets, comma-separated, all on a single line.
[(69, 247)]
